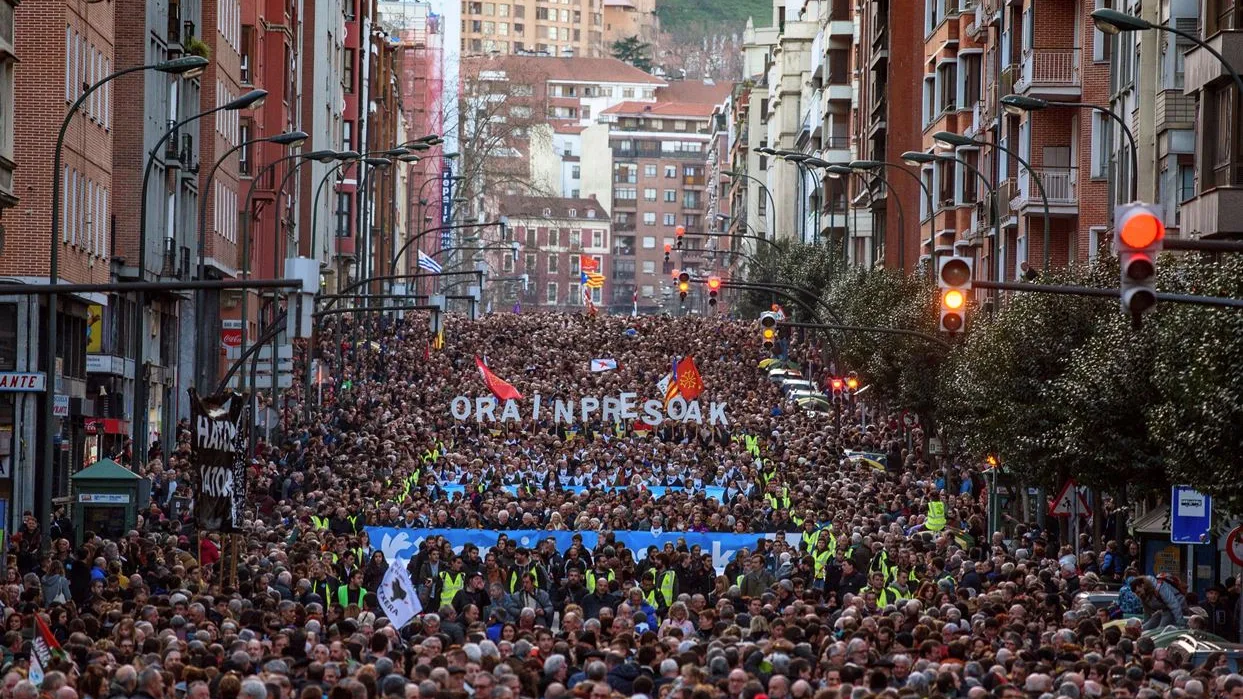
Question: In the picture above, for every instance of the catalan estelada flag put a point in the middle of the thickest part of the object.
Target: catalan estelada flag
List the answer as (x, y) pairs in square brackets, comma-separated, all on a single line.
[(593, 280)]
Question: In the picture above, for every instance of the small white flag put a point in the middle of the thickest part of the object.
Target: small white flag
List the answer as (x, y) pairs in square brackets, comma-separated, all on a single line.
[(598, 365), (398, 597)]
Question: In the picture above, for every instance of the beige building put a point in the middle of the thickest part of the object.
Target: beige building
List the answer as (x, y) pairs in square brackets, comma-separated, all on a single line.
[(626, 18), (563, 28)]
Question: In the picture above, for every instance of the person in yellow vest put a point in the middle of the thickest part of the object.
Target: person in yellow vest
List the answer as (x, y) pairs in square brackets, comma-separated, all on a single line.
[(811, 535), (666, 582), (885, 594), (821, 557), (600, 573), (351, 593), (322, 584), (935, 519), (778, 498), (451, 582), (319, 522)]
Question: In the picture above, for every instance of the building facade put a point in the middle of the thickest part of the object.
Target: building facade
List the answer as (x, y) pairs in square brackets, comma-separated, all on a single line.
[(570, 28), (552, 235), (630, 18), (33, 110)]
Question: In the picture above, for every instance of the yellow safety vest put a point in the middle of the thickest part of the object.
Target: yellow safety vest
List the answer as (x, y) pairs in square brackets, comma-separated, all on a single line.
[(779, 503), (450, 586), (888, 595), (353, 523), (821, 559), (320, 523), (668, 580), (810, 539), (591, 580), (753, 445), (343, 596), (935, 521)]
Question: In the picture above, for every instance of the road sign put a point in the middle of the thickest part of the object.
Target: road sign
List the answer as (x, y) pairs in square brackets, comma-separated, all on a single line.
[(1191, 515), (1234, 545), (1064, 504)]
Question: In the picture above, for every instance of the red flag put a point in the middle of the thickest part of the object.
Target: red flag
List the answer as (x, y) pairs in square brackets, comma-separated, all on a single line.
[(690, 385), (498, 387), (588, 263)]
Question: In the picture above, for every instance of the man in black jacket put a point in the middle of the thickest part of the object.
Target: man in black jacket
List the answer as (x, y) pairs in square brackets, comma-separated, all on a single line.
[(601, 598), (80, 576), (475, 592)]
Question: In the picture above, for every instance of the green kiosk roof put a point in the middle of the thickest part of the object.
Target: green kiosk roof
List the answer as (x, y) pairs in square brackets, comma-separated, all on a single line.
[(105, 470)]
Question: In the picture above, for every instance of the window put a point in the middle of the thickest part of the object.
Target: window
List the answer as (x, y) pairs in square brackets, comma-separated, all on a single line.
[(554, 237), (551, 292), (649, 242), (597, 239), (64, 214), (1102, 144), (627, 93), (507, 263), (649, 218), (502, 10), (930, 98), (248, 38), (347, 135), (670, 219), (649, 170), (345, 205), (576, 172), (671, 195), (528, 262), (576, 239), (573, 213), (1186, 182), (552, 263), (649, 267), (932, 15), (347, 71), (947, 86), (1102, 43), (649, 194), (348, 9), (575, 265)]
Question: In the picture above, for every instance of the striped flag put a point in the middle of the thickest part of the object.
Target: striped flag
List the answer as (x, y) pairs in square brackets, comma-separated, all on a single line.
[(593, 280), (427, 263)]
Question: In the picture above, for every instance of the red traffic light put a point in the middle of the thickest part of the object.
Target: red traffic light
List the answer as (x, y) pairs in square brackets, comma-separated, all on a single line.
[(680, 231), (676, 273), (668, 248), (837, 385), (1141, 229), (684, 278), (714, 283)]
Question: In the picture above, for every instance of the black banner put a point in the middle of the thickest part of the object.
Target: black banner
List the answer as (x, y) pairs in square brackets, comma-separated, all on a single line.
[(218, 428)]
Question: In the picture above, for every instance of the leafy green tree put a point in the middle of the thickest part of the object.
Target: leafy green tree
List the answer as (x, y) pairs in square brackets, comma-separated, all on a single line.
[(633, 51)]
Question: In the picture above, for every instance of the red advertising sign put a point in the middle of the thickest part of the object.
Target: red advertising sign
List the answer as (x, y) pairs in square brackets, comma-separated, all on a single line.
[(231, 334)]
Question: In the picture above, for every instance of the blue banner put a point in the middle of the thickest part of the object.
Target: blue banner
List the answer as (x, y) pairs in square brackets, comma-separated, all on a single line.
[(446, 204), (399, 545)]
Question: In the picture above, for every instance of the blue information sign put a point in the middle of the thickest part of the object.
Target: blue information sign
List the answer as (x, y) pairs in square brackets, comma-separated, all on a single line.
[(1191, 516)]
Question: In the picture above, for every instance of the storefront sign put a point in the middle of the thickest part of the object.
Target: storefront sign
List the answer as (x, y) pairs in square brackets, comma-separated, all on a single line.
[(105, 425), (22, 381), (60, 406), (104, 498), (231, 333), (105, 364)]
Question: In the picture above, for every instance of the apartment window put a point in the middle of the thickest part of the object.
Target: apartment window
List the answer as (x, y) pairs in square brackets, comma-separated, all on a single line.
[(628, 93), (597, 238), (502, 10), (520, 11), (489, 9), (947, 86), (347, 7), (1102, 43), (671, 171), (670, 220), (541, 13), (1186, 182), (932, 15), (649, 170), (507, 264), (1222, 15), (1096, 236), (345, 205), (649, 267), (930, 98), (248, 45), (969, 79), (576, 172), (1102, 144), (347, 135), (528, 261), (552, 264), (649, 242), (551, 292), (576, 239), (554, 237), (626, 193), (649, 218), (575, 265), (649, 194), (347, 71), (671, 195)]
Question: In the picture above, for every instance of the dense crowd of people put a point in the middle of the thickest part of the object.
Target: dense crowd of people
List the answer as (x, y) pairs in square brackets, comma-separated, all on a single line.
[(873, 576)]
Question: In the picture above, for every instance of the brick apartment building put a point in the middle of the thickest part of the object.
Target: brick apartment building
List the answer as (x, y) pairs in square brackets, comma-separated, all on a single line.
[(568, 28), (62, 45), (552, 233)]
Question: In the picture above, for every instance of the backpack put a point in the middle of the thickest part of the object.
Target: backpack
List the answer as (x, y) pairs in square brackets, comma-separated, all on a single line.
[(1175, 580)]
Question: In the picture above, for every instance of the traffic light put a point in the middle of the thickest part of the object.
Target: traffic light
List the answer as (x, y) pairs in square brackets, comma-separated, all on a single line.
[(954, 281), (668, 249), (768, 330), (680, 232), (684, 284), (714, 288), (1138, 235), (852, 381), (837, 384)]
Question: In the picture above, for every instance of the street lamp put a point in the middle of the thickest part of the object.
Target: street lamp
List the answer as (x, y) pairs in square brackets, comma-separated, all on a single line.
[(772, 203), (954, 140), (254, 99), (186, 67), (202, 357), (1020, 104), (344, 158), (878, 164), (917, 157), (872, 167), (1114, 22)]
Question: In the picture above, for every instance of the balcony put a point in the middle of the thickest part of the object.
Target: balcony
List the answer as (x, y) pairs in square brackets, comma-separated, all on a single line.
[(625, 203), (1175, 110), (694, 180), (1203, 68), (1061, 186), (1049, 74)]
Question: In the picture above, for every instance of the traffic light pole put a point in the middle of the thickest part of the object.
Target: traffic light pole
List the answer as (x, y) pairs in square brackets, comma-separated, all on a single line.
[(870, 329), (1216, 301)]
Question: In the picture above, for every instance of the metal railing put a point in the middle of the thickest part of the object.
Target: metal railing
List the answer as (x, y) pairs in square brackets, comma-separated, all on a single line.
[(1052, 67), (1061, 184)]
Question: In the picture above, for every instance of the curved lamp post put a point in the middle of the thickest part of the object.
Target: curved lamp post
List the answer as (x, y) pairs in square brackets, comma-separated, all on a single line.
[(1019, 104), (858, 169), (1114, 22), (202, 359), (955, 140), (186, 67), (772, 203), (255, 99), (870, 165)]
